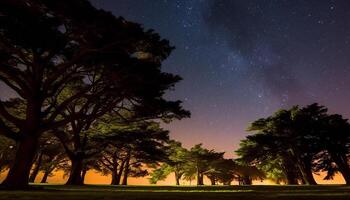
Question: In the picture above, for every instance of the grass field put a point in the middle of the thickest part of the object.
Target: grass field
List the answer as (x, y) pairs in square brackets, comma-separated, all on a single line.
[(102, 192)]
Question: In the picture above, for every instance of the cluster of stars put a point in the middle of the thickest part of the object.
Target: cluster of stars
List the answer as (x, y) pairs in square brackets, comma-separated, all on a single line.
[(244, 59)]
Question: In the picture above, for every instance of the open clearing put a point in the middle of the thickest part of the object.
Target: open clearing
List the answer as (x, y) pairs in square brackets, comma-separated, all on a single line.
[(103, 192)]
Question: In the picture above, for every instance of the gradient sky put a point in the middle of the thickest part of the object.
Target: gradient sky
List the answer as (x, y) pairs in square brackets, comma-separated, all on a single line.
[(244, 59)]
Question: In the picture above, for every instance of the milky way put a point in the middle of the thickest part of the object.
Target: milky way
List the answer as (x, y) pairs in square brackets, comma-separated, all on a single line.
[(244, 59)]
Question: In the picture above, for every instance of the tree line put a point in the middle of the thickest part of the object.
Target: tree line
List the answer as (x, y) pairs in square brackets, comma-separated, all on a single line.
[(89, 95), (198, 162), (139, 150), (288, 147)]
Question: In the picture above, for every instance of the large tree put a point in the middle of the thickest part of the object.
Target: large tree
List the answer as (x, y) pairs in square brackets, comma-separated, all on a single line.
[(331, 132), (47, 46), (269, 154), (292, 139), (299, 142)]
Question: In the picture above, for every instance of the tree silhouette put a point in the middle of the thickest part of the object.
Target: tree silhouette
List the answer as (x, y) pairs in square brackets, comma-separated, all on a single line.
[(337, 141), (50, 155), (112, 60), (131, 147), (268, 153), (199, 161), (246, 174), (222, 171), (332, 135), (298, 142)]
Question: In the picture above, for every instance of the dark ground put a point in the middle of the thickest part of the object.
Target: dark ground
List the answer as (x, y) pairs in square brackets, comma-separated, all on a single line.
[(103, 192)]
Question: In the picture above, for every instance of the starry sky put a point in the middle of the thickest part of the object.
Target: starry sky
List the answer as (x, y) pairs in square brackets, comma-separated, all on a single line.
[(244, 59)]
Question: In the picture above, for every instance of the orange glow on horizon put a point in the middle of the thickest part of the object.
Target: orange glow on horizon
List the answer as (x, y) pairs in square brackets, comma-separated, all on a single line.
[(93, 177)]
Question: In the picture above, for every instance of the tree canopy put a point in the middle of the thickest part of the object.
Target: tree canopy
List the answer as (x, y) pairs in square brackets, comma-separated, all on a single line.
[(293, 144), (73, 67)]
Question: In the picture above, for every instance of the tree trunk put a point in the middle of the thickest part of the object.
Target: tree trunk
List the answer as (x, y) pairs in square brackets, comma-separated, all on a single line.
[(289, 171), (36, 169), (240, 180), (343, 166), (126, 171), (75, 177), (83, 174), (246, 180), (212, 181), (199, 178), (310, 177), (46, 175), (306, 174), (125, 178), (292, 179), (177, 181), (304, 165), (177, 178), (18, 175), (116, 176)]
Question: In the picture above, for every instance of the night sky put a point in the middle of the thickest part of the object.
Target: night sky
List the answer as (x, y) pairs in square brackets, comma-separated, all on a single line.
[(244, 59)]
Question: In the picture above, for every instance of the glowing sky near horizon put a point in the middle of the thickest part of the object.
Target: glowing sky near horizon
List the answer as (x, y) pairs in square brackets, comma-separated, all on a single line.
[(244, 59)]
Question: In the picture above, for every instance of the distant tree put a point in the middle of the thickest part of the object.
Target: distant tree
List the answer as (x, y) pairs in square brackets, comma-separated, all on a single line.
[(90, 164), (161, 173), (274, 171), (115, 60), (246, 174), (130, 147), (47, 144), (51, 163), (221, 171), (199, 161), (50, 156), (175, 163), (189, 174), (53, 158)]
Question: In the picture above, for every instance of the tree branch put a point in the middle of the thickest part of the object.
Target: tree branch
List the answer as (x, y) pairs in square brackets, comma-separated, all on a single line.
[(9, 117), (7, 132), (19, 91)]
